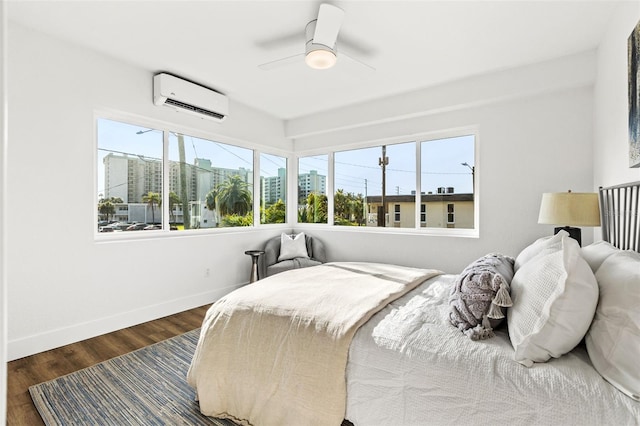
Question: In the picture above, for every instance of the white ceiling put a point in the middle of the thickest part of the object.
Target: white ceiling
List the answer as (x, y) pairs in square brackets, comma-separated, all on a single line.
[(411, 44)]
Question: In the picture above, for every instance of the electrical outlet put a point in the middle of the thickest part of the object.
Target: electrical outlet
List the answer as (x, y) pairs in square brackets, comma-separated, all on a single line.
[(207, 273)]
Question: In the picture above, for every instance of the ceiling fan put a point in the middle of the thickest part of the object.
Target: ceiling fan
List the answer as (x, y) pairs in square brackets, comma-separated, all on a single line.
[(321, 40)]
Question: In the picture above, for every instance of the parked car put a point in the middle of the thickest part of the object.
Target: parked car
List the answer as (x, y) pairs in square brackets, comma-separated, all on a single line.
[(136, 226), (152, 227), (113, 226)]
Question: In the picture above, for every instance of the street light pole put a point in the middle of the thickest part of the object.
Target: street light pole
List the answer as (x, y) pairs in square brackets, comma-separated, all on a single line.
[(473, 175)]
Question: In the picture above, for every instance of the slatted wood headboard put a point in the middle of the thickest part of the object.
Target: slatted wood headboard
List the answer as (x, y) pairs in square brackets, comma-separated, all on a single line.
[(619, 206)]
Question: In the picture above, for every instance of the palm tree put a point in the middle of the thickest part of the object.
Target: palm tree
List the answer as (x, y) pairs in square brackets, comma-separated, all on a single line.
[(106, 206), (173, 200), (316, 208), (152, 198), (232, 196), (210, 199)]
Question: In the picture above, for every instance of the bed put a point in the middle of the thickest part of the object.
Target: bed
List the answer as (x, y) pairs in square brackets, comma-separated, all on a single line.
[(377, 344)]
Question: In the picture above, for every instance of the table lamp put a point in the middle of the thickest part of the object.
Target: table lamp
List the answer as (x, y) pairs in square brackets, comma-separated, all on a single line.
[(570, 209)]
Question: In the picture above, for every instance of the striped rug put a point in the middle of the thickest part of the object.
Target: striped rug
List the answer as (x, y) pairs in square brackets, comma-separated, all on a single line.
[(145, 387)]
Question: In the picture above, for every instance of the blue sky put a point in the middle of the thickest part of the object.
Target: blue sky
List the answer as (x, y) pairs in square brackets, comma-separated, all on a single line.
[(441, 166), (441, 160)]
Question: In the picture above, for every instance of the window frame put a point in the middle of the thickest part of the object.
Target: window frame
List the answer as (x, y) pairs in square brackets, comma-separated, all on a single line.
[(166, 128), (418, 138), (292, 158)]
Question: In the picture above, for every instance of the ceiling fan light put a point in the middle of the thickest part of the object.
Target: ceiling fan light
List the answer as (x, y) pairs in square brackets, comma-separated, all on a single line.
[(320, 59)]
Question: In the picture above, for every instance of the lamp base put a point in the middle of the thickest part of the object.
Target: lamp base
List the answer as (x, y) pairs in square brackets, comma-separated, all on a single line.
[(575, 233)]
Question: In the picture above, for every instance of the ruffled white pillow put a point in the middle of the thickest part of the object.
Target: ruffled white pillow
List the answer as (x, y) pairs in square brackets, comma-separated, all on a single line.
[(613, 341), (554, 298), (292, 247), (531, 251)]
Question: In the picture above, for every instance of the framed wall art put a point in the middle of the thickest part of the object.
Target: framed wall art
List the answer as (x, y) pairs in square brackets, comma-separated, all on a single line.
[(633, 47)]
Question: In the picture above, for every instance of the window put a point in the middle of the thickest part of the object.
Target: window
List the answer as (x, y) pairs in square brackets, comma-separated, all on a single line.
[(448, 178), (273, 193), (312, 189), (450, 214), (210, 184), (369, 181), (129, 176)]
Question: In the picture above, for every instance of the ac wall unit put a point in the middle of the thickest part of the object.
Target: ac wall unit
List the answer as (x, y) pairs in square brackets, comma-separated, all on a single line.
[(185, 96)]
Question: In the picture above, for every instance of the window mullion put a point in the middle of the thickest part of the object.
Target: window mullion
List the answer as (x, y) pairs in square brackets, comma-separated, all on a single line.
[(166, 214), (330, 189), (418, 198)]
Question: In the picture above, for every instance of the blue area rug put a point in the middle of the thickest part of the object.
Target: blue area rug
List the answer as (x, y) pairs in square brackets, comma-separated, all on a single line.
[(145, 387)]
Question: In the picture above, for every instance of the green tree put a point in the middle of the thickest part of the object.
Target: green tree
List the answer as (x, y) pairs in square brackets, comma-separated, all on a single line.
[(173, 200), (275, 213), (152, 199), (210, 199), (302, 215), (237, 220), (233, 196), (106, 209), (348, 208), (106, 206), (357, 208), (341, 205), (317, 208)]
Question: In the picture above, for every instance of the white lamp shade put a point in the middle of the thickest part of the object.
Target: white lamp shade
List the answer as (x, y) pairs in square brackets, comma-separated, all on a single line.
[(570, 209)]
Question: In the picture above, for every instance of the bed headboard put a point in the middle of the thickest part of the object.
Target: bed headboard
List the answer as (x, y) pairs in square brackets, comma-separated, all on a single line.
[(619, 215)]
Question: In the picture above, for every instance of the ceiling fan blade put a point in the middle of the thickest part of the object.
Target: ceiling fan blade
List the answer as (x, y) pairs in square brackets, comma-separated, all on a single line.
[(281, 62), (349, 56), (328, 25)]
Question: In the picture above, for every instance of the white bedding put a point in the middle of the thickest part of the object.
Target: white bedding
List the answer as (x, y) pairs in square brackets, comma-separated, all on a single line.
[(275, 352), (408, 366)]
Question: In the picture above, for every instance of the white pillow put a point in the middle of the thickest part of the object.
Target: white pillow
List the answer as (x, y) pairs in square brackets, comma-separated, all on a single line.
[(613, 341), (554, 298), (597, 252), (292, 247), (532, 250)]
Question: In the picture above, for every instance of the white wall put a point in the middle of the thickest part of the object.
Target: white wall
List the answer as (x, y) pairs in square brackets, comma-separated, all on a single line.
[(535, 136), (611, 133), (3, 264), (63, 285)]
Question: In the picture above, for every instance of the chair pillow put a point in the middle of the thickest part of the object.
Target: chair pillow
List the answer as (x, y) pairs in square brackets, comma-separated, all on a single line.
[(597, 252), (292, 247), (554, 298), (613, 341), (479, 294)]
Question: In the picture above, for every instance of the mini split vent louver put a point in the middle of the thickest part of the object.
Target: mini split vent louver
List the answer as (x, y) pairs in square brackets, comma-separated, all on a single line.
[(185, 96)]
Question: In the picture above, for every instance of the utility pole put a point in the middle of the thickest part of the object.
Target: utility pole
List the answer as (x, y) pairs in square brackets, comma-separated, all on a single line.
[(384, 162)]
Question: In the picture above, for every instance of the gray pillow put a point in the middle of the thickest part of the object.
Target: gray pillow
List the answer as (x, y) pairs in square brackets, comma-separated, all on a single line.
[(479, 295)]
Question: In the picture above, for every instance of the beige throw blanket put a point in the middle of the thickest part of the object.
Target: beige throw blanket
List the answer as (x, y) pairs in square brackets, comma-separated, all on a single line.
[(275, 352)]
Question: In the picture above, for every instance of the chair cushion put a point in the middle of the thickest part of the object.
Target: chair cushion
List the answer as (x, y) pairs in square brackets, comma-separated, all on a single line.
[(286, 265)]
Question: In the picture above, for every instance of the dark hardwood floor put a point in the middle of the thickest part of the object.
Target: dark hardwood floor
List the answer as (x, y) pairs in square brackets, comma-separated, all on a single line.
[(48, 365)]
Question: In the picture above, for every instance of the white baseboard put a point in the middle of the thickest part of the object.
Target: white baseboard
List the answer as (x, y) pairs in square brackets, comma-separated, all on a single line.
[(19, 348)]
